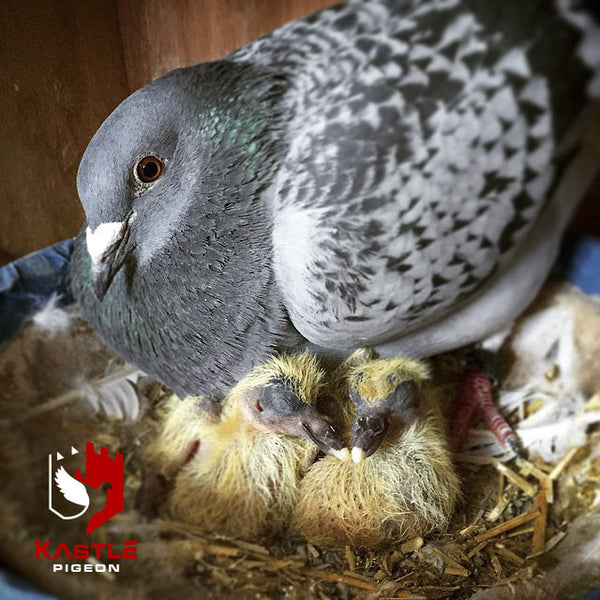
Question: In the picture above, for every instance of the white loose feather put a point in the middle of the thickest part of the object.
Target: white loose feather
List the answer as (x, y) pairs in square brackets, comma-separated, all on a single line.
[(541, 341), (54, 319), (114, 393), (73, 490)]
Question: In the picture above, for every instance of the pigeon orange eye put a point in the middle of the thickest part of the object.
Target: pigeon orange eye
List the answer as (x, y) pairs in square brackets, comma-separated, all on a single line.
[(149, 169), (259, 407)]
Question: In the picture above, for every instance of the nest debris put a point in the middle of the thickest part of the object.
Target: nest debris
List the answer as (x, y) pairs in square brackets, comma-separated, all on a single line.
[(521, 513), (509, 529)]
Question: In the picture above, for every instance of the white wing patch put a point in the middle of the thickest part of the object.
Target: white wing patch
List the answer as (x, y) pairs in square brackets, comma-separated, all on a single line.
[(73, 490)]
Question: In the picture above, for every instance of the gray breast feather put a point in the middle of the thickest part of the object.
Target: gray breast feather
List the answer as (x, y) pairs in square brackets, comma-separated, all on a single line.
[(420, 155)]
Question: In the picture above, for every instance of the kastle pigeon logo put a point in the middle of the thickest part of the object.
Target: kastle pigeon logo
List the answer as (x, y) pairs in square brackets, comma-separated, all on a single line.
[(100, 469)]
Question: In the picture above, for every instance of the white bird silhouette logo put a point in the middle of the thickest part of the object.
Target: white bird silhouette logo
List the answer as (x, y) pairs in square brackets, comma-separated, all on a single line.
[(73, 490)]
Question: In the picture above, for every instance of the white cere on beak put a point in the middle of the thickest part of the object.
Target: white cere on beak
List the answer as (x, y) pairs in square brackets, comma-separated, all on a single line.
[(358, 454), (101, 239), (343, 454)]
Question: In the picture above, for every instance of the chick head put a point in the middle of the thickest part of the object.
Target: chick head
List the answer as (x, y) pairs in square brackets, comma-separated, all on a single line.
[(407, 488), (387, 396), (280, 396)]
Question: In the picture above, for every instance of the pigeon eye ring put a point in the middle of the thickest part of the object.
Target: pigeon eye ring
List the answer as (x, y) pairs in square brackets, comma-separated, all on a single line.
[(148, 169)]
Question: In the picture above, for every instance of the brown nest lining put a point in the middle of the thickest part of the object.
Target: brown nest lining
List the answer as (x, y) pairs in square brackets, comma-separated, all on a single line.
[(527, 524)]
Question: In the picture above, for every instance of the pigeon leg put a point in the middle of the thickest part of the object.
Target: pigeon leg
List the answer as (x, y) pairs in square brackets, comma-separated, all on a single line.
[(476, 398)]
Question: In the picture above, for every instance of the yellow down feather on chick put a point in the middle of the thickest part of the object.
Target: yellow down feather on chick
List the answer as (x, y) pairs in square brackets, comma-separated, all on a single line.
[(408, 487), (243, 479), (378, 378)]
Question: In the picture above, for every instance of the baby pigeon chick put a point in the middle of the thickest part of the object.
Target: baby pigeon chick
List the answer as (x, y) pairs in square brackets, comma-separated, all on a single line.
[(240, 477), (407, 487)]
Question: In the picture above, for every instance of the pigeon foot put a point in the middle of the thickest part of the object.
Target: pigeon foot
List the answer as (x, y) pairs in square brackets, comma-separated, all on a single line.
[(476, 399)]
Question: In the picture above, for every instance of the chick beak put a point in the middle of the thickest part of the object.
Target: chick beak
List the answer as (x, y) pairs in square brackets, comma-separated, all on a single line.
[(108, 248), (367, 434), (319, 429)]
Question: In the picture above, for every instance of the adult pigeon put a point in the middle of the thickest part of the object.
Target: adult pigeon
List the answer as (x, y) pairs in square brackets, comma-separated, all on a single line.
[(386, 173)]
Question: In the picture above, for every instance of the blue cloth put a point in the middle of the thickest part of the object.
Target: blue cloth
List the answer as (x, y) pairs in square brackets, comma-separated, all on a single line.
[(592, 595), (29, 282), (14, 589), (580, 262)]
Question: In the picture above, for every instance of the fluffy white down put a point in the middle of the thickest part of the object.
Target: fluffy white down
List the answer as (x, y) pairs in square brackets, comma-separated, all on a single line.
[(54, 319), (544, 340)]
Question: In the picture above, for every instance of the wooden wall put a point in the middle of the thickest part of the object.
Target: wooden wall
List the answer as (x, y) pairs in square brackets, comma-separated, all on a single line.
[(160, 35), (65, 64), (61, 73)]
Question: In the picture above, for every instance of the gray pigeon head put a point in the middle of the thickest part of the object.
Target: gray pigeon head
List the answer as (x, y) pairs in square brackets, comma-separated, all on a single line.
[(139, 173), (140, 125), (163, 153), (173, 265)]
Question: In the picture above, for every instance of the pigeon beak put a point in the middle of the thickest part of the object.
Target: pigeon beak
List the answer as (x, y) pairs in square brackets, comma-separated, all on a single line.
[(107, 247), (319, 429), (367, 434)]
